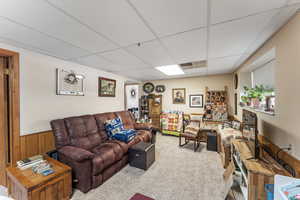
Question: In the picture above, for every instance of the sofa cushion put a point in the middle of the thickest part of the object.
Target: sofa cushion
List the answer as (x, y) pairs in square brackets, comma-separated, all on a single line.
[(60, 133), (83, 131), (127, 119), (100, 120), (145, 135), (106, 154)]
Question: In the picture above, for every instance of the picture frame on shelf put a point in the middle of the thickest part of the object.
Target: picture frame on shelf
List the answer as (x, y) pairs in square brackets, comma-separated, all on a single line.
[(106, 87), (196, 101)]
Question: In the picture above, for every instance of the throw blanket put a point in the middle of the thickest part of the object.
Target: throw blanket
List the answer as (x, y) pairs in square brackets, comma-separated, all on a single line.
[(115, 129)]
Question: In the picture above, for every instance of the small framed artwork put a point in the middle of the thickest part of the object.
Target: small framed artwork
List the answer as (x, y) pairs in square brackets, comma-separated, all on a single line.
[(196, 101), (69, 83), (178, 95), (107, 87), (160, 88)]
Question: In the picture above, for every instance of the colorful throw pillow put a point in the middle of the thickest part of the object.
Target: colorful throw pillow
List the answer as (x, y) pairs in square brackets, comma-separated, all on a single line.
[(125, 135), (113, 126)]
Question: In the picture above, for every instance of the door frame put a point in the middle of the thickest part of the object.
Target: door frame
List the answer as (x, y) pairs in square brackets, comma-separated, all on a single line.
[(14, 72)]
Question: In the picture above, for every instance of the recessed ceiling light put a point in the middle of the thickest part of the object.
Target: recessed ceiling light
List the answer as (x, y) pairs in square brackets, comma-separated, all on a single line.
[(170, 70)]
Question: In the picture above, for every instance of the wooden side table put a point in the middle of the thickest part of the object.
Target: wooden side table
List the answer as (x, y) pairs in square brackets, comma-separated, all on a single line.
[(27, 185)]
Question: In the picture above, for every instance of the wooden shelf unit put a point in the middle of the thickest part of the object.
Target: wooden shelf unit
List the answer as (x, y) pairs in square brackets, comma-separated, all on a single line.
[(256, 173)]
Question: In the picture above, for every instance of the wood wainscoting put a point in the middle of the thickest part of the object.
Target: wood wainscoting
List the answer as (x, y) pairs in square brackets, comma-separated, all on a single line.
[(37, 143)]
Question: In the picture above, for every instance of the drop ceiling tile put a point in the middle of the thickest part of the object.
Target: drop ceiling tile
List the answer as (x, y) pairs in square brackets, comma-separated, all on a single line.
[(172, 16), (123, 58), (37, 42), (233, 38), (232, 9), (151, 52), (45, 18), (222, 65), (114, 18), (187, 47), (143, 74), (93, 61)]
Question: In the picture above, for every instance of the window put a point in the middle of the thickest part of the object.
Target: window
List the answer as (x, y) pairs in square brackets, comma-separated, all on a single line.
[(264, 75)]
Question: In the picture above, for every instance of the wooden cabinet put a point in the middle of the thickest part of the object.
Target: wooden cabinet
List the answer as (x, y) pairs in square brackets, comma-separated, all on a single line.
[(155, 109), (27, 185), (254, 173)]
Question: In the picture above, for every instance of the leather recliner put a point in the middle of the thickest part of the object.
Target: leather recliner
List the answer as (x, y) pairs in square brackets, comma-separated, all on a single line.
[(82, 143)]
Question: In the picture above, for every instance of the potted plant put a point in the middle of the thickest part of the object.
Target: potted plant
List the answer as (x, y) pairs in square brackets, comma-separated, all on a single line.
[(253, 96)]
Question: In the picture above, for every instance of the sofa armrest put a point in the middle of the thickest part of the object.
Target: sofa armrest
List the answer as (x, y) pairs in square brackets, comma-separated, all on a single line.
[(142, 126), (76, 154)]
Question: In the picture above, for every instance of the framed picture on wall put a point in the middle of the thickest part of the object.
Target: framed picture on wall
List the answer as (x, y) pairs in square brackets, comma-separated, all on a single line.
[(196, 101), (178, 95), (69, 83), (107, 87)]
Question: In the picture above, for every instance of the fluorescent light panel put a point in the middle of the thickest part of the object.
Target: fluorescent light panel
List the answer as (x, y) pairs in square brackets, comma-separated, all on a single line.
[(170, 70)]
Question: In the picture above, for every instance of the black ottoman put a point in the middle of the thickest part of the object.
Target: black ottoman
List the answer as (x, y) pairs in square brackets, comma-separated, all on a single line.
[(142, 155), (212, 141)]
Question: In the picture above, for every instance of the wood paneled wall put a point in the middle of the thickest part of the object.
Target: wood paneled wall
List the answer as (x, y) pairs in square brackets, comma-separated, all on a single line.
[(37, 143)]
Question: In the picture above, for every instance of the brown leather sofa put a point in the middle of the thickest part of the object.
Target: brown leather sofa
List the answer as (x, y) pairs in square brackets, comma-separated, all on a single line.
[(82, 143)]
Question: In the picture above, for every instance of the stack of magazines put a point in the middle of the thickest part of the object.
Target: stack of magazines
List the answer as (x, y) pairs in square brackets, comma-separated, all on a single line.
[(30, 162), (43, 168)]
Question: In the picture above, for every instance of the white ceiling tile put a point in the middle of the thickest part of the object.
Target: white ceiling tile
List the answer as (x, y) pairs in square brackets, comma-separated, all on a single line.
[(45, 18), (234, 37), (38, 42), (187, 47), (172, 16), (123, 58), (143, 74), (223, 64), (231, 9), (93, 61), (152, 52), (113, 18)]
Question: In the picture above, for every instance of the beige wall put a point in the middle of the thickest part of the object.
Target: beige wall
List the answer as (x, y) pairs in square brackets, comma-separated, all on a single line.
[(38, 100), (195, 85), (283, 128)]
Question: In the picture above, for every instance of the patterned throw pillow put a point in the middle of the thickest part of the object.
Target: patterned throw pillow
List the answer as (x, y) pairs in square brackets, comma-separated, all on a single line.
[(113, 126)]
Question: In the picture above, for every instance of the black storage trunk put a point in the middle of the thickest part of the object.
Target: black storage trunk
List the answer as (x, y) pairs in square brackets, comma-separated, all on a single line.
[(212, 141), (142, 155)]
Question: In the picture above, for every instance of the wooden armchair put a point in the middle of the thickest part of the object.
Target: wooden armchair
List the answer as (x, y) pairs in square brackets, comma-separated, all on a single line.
[(191, 133)]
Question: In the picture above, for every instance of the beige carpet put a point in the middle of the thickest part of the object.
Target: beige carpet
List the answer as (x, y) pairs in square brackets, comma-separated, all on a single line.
[(177, 174)]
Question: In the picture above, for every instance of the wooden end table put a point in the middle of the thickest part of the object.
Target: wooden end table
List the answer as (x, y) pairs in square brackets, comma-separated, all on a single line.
[(27, 185)]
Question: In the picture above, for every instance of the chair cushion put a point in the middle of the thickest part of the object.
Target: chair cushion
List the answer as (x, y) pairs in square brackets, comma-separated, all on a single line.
[(113, 126), (192, 130), (106, 154)]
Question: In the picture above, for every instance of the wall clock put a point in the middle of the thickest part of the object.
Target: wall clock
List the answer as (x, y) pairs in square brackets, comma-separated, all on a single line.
[(148, 87)]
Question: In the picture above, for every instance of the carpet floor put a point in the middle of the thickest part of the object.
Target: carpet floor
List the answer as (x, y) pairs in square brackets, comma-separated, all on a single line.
[(177, 174)]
